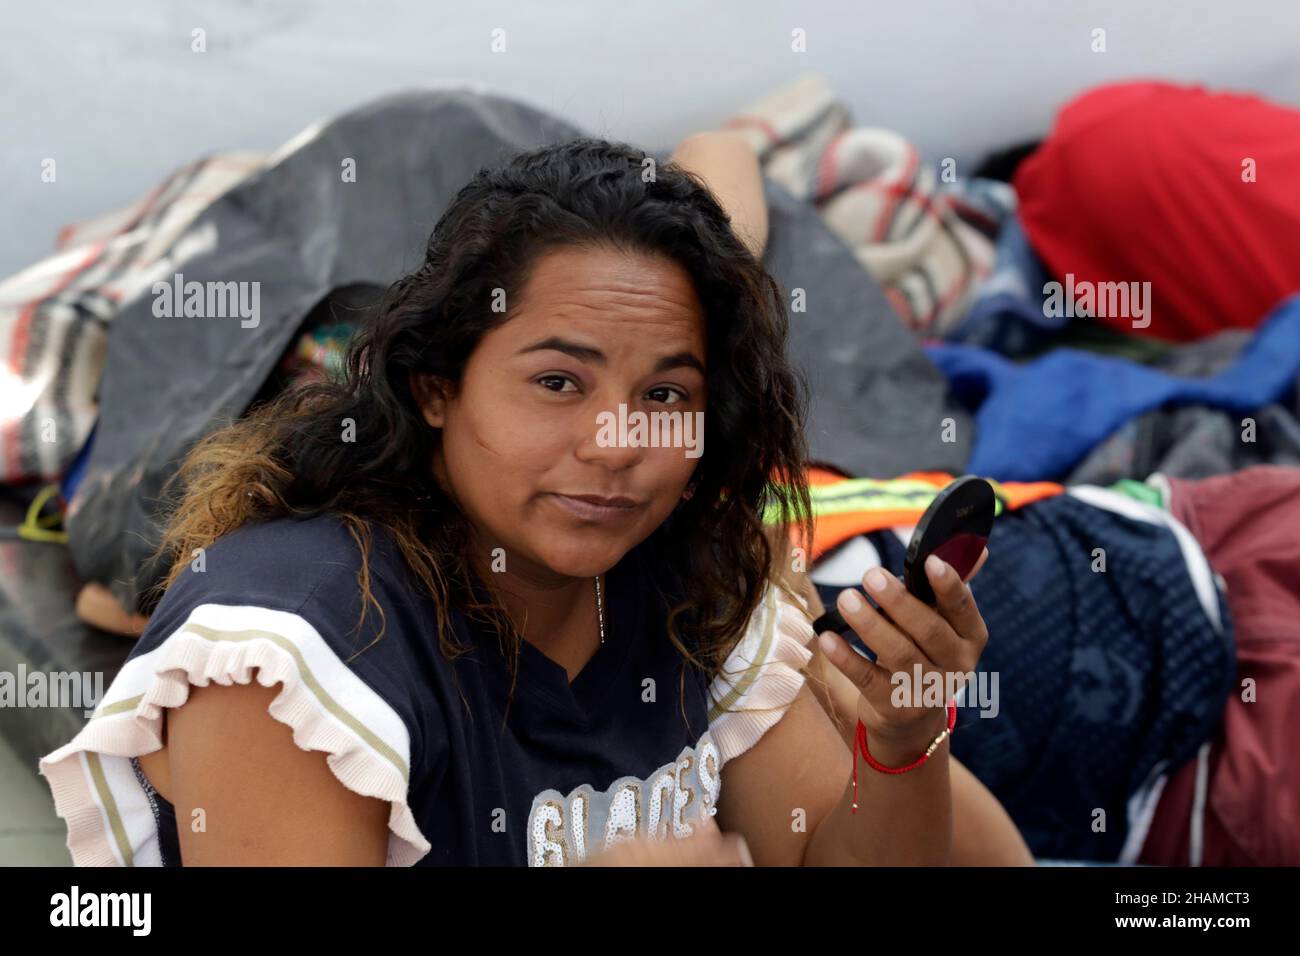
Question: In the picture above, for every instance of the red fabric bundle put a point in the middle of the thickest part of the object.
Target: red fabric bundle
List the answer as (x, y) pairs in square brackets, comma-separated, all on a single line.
[(1195, 192)]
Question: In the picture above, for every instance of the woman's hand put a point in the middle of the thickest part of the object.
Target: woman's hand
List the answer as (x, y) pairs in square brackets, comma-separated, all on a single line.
[(707, 846), (945, 641)]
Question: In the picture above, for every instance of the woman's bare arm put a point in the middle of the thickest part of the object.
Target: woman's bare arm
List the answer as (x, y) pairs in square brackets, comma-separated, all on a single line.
[(265, 802), (728, 166)]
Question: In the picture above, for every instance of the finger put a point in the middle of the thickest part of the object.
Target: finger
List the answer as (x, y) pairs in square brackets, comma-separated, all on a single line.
[(919, 627), (641, 851), (871, 680), (708, 849), (849, 662), (706, 828), (621, 854), (730, 850), (894, 649), (741, 850), (955, 601)]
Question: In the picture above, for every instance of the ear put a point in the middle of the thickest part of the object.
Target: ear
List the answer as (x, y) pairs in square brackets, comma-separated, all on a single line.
[(431, 394)]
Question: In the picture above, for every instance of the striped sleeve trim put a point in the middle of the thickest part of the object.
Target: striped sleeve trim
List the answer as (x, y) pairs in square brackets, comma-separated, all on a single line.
[(762, 675), (329, 708)]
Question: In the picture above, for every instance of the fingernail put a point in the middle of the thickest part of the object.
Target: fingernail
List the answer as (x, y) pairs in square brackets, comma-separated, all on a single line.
[(935, 567), (743, 848), (850, 601), (828, 644), (876, 580)]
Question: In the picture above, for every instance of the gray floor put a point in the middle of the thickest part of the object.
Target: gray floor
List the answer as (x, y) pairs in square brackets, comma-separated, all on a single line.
[(30, 832)]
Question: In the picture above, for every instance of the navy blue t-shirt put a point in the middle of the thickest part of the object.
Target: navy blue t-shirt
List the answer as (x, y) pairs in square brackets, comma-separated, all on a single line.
[(627, 748)]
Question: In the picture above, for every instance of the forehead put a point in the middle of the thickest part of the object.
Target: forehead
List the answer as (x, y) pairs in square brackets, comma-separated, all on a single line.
[(642, 297)]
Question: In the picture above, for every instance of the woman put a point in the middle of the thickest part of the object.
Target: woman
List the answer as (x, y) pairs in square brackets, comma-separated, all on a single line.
[(442, 612)]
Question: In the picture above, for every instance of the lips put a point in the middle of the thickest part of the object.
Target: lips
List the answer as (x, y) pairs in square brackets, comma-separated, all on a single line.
[(619, 502), (596, 507)]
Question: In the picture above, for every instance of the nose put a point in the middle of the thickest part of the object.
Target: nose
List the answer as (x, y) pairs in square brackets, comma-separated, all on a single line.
[(611, 440)]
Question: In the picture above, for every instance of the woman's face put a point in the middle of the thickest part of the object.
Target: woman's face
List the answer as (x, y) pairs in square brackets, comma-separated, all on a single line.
[(522, 440)]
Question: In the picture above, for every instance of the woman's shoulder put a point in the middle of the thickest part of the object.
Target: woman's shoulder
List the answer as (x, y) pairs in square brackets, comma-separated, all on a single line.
[(283, 564), (304, 582), (298, 583), (287, 557)]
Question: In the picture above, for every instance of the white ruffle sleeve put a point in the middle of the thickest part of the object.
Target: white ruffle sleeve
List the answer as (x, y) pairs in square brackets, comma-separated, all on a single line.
[(762, 676), (328, 706)]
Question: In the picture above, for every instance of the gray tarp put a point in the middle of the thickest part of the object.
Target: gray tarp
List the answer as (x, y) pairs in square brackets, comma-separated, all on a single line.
[(300, 231)]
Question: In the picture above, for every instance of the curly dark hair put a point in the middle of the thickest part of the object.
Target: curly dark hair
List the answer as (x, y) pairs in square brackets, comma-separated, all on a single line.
[(285, 457)]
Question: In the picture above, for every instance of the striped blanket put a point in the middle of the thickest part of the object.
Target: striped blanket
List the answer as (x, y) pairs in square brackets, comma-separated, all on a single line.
[(919, 237), (54, 315)]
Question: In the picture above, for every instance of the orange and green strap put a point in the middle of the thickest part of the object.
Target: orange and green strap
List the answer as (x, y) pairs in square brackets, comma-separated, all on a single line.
[(843, 508)]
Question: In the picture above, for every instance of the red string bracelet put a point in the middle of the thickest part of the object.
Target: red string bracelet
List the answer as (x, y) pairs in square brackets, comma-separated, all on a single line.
[(860, 744)]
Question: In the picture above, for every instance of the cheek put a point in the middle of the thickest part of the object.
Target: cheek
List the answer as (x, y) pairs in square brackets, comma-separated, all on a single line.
[(668, 471), (489, 446)]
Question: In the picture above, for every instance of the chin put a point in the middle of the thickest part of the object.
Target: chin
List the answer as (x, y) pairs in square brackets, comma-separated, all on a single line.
[(584, 559)]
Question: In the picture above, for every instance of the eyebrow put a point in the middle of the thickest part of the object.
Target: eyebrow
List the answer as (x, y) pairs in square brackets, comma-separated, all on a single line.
[(586, 353)]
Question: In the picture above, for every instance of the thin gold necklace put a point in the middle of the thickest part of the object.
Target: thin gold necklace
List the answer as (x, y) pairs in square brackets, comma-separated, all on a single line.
[(600, 610)]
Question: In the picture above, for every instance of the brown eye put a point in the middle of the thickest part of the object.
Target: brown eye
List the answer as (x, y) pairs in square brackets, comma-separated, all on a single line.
[(548, 382), (667, 392)]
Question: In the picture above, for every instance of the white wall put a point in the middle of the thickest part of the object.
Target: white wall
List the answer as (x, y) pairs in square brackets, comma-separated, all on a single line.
[(111, 90)]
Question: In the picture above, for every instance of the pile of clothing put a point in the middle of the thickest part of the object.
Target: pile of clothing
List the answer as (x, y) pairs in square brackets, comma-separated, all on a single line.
[(1119, 311)]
